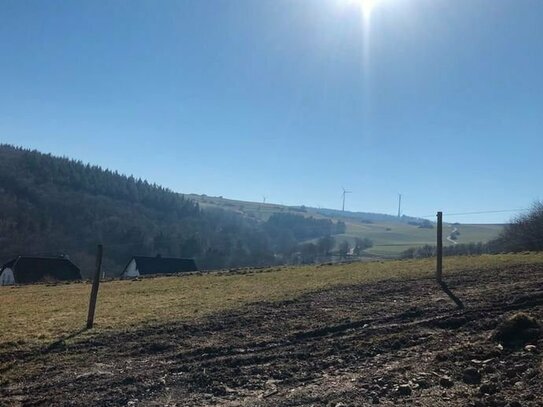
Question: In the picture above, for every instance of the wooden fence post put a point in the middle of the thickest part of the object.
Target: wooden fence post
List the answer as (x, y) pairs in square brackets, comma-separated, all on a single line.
[(439, 247), (439, 262), (95, 286)]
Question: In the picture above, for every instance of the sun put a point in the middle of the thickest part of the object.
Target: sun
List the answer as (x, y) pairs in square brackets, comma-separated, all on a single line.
[(366, 6)]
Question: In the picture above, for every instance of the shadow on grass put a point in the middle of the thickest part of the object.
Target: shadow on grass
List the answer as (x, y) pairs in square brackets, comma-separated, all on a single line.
[(9, 359), (61, 342)]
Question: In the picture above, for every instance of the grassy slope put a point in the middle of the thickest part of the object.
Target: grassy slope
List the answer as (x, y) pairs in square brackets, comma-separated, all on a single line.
[(402, 236), (391, 242), (252, 209), (41, 313)]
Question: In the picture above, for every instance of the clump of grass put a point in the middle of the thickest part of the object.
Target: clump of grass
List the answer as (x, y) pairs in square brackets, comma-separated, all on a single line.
[(517, 330)]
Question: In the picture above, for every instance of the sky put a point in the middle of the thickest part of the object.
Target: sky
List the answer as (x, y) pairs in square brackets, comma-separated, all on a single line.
[(440, 100)]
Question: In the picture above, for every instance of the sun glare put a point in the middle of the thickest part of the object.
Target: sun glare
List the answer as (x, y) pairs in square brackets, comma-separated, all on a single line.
[(366, 6)]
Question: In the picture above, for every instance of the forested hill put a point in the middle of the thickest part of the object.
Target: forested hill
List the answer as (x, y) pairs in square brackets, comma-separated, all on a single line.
[(51, 205)]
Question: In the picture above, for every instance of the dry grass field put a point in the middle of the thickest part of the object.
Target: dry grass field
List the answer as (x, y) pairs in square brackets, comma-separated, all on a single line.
[(42, 313), (351, 334)]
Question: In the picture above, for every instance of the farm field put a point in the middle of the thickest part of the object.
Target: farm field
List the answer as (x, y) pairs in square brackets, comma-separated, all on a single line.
[(350, 333), (390, 237), (39, 313)]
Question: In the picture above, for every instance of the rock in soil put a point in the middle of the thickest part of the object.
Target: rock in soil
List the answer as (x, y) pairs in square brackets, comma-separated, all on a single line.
[(471, 376), (530, 348), (488, 388), (446, 382), (518, 330), (404, 390)]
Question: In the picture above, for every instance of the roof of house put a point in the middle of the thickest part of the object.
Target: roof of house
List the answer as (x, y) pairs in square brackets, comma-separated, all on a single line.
[(163, 265), (27, 269)]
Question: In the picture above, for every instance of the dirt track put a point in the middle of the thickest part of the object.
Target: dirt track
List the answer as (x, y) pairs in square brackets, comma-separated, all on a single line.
[(351, 346)]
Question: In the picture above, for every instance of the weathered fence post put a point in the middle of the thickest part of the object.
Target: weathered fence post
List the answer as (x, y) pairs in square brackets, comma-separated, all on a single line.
[(439, 247), (439, 262), (95, 285)]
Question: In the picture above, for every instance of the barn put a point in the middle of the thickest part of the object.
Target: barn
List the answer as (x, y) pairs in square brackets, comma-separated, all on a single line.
[(142, 265), (26, 270)]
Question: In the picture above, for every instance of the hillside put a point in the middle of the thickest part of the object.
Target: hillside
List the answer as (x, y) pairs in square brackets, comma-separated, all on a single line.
[(53, 206), (390, 235), (390, 239)]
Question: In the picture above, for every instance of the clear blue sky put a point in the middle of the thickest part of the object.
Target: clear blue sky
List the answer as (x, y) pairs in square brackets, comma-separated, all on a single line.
[(441, 100)]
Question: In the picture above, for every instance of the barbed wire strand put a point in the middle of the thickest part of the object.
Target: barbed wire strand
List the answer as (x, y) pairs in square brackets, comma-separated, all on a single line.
[(473, 213)]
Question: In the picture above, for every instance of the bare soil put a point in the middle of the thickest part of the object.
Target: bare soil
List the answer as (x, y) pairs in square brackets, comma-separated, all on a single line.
[(388, 343)]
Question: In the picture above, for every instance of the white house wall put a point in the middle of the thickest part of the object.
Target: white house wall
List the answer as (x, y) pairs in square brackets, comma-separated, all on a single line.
[(131, 270), (7, 277)]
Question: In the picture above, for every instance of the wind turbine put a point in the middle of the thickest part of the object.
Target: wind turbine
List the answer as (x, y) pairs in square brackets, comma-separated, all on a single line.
[(345, 192), (399, 205)]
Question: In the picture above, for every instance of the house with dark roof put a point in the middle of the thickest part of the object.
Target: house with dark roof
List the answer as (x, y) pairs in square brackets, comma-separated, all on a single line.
[(142, 265), (27, 269)]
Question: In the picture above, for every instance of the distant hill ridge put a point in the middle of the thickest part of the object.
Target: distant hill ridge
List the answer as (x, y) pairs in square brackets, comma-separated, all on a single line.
[(249, 206), (368, 216)]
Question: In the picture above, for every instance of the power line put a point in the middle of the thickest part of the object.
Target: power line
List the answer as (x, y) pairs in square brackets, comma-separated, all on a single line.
[(475, 213), (484, 212), (399, 244)]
